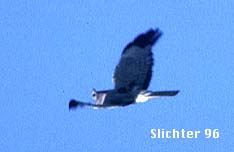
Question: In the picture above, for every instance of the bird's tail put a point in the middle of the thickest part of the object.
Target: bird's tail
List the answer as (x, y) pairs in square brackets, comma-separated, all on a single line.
[(146, 95)]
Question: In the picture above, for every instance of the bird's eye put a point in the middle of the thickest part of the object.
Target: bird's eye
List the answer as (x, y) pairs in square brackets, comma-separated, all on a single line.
[(94, 94)]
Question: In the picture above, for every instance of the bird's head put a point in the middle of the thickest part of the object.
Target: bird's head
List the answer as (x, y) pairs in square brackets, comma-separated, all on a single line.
[(94, 94)]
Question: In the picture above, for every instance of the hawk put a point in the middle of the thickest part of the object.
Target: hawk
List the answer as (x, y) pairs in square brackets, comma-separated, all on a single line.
[(131, 77)]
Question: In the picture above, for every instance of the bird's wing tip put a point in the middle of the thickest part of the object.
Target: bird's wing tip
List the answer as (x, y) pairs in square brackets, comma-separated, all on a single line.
[(73, 104), (176, 92)]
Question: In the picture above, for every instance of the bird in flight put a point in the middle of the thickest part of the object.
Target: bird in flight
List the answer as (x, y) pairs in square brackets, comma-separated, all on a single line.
[(132, 76)]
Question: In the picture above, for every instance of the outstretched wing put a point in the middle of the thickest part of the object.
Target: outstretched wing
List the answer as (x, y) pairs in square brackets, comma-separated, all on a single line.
[(135, 66), (73, 104)]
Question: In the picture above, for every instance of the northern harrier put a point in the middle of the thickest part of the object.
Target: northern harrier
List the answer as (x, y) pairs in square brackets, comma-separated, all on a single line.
[(131, 77)]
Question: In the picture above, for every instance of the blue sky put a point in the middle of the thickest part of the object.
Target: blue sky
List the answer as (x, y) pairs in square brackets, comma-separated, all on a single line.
[(52, 51)]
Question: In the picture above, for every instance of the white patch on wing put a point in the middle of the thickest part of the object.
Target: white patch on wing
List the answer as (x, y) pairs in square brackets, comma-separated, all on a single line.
[(144, 96), (141, 98), (100, 98)]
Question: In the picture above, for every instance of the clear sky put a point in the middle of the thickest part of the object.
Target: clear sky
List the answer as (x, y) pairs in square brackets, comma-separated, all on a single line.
[(52, 51)]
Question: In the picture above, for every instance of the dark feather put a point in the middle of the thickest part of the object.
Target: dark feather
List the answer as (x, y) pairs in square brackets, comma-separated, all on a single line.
[(142, 40)]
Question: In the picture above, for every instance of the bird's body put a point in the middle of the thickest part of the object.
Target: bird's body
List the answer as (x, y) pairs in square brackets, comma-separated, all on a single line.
[(131, 77)]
